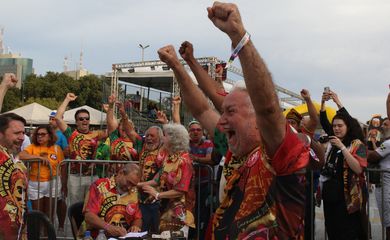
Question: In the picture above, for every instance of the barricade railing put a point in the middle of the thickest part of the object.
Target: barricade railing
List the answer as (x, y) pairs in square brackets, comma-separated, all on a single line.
[(201, 181), (28, 164)]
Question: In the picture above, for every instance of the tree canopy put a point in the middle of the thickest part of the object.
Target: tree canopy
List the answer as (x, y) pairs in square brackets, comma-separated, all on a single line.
[(51, 89)]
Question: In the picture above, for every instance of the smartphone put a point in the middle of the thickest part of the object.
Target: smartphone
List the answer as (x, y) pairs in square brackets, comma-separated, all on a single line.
[(324, 139), (326, 89)]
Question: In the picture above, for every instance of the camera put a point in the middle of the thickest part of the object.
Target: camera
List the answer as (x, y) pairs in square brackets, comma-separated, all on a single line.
[(329, 170), (323, 139)]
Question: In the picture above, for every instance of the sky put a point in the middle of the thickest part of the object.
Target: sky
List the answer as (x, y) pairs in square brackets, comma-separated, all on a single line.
[(343, 44)]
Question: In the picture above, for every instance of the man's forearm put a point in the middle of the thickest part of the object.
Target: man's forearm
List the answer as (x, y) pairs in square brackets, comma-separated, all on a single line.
[(262, 92), (206, 83), (3, 91)]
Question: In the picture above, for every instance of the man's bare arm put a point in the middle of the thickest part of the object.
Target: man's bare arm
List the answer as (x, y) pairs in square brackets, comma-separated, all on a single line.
[(313, 122), (192, 95), (9, 81), (62, 125), (208, 85), (261, 89)]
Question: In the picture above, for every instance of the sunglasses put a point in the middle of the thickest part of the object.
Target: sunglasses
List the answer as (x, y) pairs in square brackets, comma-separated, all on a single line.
[(83, 118), (195, 129), (41, 134)]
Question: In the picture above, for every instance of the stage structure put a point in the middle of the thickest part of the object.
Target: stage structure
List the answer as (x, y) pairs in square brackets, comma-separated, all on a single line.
[(157, 75)]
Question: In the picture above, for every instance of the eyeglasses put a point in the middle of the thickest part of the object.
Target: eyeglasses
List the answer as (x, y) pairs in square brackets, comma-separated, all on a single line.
[(83, 118), (41, 134), (195, 129)]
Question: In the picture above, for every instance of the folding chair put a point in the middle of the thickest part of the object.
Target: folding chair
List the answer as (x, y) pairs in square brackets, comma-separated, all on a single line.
[(76, 217), (35, 220)]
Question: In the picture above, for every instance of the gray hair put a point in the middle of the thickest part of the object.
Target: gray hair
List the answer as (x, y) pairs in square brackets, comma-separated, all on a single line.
[(178, 137), (241, 86), (159, 132), (131, 168)]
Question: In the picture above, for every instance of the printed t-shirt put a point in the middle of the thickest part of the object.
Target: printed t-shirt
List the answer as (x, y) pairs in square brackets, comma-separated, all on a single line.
[(82, 146), (122, 148), (201, 150), (176, 174), (61, 140), (150, 163), (265, 197), (55, 156), (115, 209), (13, 189)]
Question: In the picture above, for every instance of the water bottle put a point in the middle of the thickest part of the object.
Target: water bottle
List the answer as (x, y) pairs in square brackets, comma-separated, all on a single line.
[(101, 235), (87, 236)]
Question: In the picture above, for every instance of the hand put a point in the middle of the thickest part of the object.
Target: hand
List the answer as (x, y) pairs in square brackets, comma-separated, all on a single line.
[(325, 97), (9, 80), (150, 190), (71, 97), (176, 100), (162, 117), (45, 160), (135, 229), (335, 141), (105, 107), (111, 100), (168, 55), (226, 17), (141, 184), (186, 51), (334, 97), (121, 108), (305, 94), (116, 231)]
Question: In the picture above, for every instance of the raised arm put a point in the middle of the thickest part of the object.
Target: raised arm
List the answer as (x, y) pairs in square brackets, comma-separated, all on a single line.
[(325, 124), (62, 125), (128, 125), (9, 81), (176, 109), (112, 122), (209, 86), (258, 79), (388, 105), (192, 96), (312, 123)]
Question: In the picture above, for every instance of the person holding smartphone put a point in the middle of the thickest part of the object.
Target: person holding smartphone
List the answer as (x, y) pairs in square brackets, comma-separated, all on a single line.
[(342, 179)]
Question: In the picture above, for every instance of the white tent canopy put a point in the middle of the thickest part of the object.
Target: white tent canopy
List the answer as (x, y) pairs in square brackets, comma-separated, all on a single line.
[(34, 113), (97, 117)]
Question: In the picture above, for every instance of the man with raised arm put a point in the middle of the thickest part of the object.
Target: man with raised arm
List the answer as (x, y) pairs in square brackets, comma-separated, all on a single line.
[(267, 154), (82, 146)]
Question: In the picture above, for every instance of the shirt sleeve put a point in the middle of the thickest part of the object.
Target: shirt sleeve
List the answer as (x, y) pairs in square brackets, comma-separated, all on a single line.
[(384, 149), (68, 132), (92, 200), (186, 174), (291, 156), (114, 135), (220, 142), (29, 149)]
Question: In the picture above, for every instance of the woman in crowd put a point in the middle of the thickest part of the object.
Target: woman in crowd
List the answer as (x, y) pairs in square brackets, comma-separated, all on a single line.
[(173, 184), (43, 148), (342, 179)]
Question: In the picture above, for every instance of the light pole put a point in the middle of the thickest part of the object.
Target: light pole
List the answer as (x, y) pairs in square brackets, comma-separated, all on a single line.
[(142, 50)]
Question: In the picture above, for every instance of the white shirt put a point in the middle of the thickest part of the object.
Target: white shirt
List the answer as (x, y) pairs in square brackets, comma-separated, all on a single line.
[(384, 151)]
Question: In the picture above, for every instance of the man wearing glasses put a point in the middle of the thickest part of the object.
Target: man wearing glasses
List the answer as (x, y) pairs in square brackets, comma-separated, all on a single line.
[(82, 146)]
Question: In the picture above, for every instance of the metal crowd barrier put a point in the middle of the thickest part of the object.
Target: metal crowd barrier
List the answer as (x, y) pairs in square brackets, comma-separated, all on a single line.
[(28, 164), (201, 181), (198, 180)]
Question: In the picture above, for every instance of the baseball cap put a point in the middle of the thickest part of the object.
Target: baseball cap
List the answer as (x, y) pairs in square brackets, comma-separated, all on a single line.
[(53, 114)]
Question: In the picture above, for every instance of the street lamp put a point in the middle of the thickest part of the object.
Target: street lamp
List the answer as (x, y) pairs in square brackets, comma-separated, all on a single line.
[(142, 50)]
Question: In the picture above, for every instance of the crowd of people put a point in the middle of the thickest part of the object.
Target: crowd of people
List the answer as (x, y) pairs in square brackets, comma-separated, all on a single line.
[(269, 160)]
